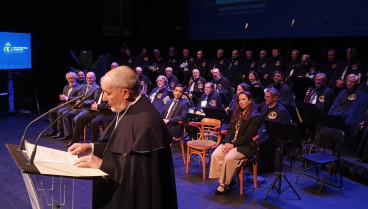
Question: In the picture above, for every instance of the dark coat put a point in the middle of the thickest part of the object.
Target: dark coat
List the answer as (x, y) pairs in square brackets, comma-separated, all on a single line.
[(214, 100), (180, 114), (244, 141), (138, 162)]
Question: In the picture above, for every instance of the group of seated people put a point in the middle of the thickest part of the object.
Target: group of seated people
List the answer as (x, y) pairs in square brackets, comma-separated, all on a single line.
[(249, 91), (89, 107)]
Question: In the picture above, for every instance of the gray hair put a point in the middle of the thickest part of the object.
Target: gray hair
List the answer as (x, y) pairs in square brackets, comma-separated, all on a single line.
[(356, 77), (163, 77), (272, 91), (321, 75), (195, 70), (72, 74)]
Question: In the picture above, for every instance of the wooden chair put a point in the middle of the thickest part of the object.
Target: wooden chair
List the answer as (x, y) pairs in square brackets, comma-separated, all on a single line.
[(245, 161), (102, 127), (181, 141), (209, 128)]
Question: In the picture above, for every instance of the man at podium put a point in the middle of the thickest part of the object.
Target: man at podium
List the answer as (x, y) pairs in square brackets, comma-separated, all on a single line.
[(137, 157)]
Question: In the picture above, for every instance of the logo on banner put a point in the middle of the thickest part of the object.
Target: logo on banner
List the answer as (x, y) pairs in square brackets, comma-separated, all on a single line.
[(272, 115), (8, 49)]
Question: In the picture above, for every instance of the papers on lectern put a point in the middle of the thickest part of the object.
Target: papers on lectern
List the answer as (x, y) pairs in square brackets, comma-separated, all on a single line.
[(56, 162)]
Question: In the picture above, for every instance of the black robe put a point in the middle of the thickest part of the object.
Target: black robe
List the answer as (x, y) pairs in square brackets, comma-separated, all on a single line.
[(286, 96), (269, 158), (213, 101), (138, 162), (324, 98), (344, 102)]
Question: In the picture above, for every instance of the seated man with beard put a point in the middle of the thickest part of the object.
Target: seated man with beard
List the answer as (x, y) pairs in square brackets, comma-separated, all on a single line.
[(174, 111)]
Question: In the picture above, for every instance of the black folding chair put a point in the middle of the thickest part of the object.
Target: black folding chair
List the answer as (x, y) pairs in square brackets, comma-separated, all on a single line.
[(324, 155)]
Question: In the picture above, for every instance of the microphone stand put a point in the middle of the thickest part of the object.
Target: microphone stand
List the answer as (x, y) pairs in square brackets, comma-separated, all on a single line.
[(21, 145), (38, 138), (243, 43), (290, 41)]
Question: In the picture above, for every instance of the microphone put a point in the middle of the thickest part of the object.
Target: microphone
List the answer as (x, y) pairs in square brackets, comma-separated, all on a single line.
[(61, 116), (74, 57), (246, 26), (292, 23), (21, 145)]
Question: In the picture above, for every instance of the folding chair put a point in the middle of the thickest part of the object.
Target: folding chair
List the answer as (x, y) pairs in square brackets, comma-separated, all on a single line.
[(324, 153)]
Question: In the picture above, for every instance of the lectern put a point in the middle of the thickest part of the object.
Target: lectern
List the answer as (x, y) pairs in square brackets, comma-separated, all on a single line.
[(27, 170)]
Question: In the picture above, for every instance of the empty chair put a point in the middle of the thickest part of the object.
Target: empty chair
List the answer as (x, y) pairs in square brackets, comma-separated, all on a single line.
[(324, 155), (209, 138)]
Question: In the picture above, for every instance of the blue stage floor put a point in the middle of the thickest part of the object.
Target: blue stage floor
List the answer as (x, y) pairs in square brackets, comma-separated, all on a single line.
[(192, 191)]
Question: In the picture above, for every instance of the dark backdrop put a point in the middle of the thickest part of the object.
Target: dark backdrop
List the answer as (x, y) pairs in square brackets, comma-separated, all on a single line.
[(110, 26)]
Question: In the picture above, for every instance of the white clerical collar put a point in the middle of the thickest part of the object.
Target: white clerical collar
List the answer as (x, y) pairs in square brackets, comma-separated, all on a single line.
[(269, 107), (136, 99)]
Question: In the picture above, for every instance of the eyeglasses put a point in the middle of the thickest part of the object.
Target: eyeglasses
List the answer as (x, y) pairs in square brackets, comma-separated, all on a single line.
[(267, 97)]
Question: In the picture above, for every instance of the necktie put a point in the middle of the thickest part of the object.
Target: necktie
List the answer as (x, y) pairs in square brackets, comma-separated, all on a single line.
[(88, 87), (171, 112), (313, 98), (70, 90)]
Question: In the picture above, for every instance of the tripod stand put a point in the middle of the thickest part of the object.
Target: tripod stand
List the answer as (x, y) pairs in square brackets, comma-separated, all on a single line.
[(284, 133)]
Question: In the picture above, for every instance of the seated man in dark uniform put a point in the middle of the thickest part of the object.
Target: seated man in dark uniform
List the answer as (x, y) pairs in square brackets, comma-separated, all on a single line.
[(322, 96), (144, 81), (351, 65), (196, 82), (271, 111), (160, 95), (100, 113), (175, 110), (172, 80), (286, 97), (346, 98), (222, 86), (210, 98), (196, 86)]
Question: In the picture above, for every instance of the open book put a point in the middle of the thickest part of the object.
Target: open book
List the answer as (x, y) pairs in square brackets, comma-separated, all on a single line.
[(56, 162)]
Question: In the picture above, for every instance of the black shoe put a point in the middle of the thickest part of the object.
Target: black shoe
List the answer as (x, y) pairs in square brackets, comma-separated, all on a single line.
[(65, 138), (59, 135), (69, 144), (226, 191), (51, 133)]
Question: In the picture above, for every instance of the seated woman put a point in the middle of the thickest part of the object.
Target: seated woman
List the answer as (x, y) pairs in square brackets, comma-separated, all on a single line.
[(227, 157), (241, 87), (253, 79), (256, 87)]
